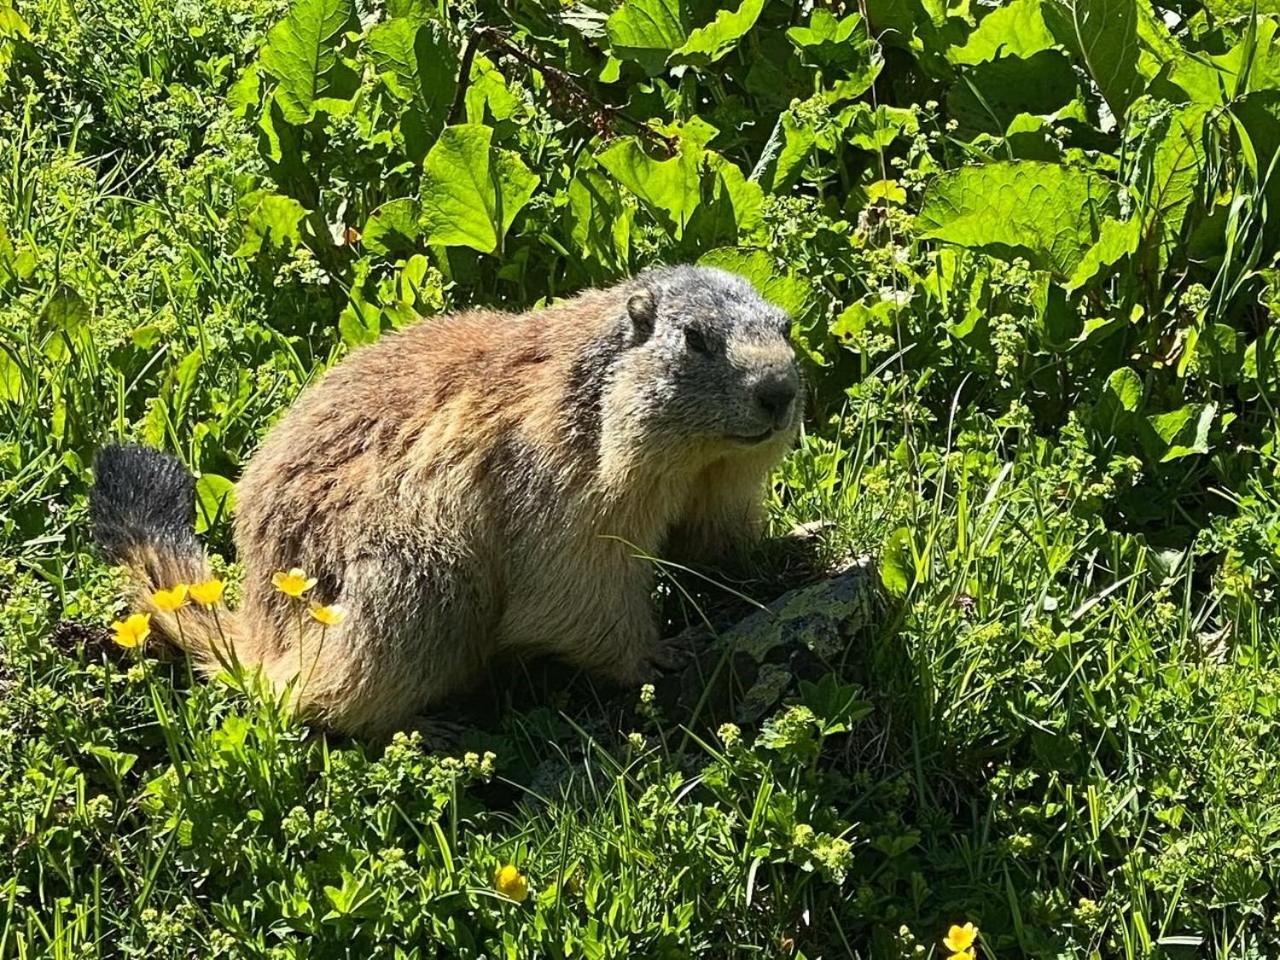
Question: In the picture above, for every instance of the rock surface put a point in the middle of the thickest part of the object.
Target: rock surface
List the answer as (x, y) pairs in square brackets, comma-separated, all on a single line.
[(750, 666)]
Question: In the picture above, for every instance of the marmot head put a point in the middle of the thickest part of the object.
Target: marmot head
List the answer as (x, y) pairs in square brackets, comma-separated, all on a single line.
[(705, 362)]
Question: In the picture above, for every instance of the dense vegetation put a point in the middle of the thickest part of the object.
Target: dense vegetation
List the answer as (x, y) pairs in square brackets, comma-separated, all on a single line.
[(1030, 249)]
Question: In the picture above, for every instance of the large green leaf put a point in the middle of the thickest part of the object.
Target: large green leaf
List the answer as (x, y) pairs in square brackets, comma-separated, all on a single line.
[(1231, 9), (797, 148), (245, 93), (783, 288), (1252, 64), (927, 28), (1116, 240), (472, 191), (709, 43), (1047, 213), (14, 264), (488, 96), (215, 500), (1125, 386), (1214, 352), (13, 387), (815, 122), (988, 96), (1013, 29), (599, 220), (897, 563), (874, 129), (1172, 166), (12, 29), (64, 321), (1106, 34), (828, 41), (393, 227), (301, 53), (1180, 433), (271, 221), (66, 312), (669, 187), (647, 31), (1257, 122), (1261, 364), (736, 207), (418, 66)]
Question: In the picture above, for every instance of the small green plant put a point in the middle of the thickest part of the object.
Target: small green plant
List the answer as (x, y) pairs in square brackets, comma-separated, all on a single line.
[(1030, 250)]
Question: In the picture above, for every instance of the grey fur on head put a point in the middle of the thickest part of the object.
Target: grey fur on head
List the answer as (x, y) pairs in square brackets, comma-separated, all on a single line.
[(713, 358)]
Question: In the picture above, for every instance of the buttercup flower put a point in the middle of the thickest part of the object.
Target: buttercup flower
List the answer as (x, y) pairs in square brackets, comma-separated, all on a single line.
[(172, 599), (132, 630), (511, 883), (329, 614), (959, 940), (294, 583), (208, 593)]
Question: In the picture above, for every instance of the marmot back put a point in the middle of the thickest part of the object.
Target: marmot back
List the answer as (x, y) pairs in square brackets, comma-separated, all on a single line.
[(480, 483)]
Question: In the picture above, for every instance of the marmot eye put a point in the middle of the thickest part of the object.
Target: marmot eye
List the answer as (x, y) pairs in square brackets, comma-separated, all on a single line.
[(695, 340)]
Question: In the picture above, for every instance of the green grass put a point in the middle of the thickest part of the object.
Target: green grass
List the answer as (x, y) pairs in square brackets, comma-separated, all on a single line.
[(1061, 723)]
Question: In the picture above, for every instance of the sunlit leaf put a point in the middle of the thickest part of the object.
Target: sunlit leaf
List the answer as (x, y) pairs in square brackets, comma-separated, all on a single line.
[(1011, 29), (1104, 34), (419, 68), (301, 54), (779, 286), (393, 227), (215, 499), (670, 187), (1126, 386), (272, 221), (1049, 214), (472, 191), (647, 31), (709, 43), (897, 565), (1182, 432)]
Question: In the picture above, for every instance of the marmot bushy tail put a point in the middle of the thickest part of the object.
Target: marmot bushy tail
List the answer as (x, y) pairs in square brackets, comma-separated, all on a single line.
[(142, 508)]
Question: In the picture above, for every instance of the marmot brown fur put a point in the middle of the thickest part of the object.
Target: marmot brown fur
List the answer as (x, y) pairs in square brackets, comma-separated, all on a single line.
[(478, 484)]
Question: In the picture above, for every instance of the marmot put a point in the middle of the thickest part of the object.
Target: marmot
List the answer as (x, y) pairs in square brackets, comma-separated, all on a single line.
[(481, 483)]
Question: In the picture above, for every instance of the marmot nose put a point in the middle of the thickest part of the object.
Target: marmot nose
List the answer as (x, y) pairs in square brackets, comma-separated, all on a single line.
[(775, 394)]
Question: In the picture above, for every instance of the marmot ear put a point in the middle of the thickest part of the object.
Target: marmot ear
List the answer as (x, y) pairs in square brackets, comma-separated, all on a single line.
[(642, 307)]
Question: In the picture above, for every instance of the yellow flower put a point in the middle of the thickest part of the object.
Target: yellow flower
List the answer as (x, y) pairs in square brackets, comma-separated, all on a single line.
[(330, 615), (132, 630), (172, 599), (959, 940), (511, 883), (207, 593), (294, 583)]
